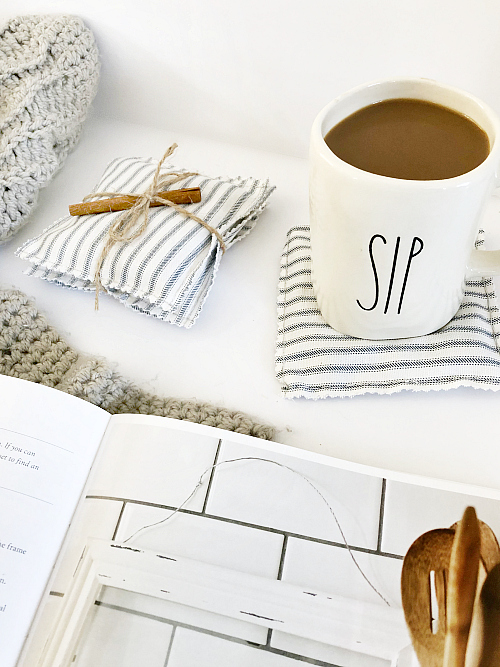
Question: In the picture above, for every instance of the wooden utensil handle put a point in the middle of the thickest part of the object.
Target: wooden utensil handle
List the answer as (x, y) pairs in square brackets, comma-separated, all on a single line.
[(182, 196), (461, 590)]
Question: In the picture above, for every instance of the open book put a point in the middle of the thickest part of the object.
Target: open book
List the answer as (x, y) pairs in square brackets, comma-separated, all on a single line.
[(131, 540)]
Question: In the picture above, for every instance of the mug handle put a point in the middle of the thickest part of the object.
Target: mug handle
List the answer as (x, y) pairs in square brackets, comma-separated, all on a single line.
[(483, 263)]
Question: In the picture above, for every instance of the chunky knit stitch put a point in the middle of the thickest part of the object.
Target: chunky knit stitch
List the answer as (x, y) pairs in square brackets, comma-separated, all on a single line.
[(31, 349), (49, 71)]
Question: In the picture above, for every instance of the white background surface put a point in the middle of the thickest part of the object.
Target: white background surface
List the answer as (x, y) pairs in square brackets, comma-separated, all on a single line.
[(256, 72), (237, 86)]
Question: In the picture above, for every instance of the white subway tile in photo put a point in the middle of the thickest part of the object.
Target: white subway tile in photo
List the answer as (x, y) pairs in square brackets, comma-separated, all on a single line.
[(212, 541), (119, 639), (411, 510), (195, 649), (266, 494), (332, 569), (162, 469)]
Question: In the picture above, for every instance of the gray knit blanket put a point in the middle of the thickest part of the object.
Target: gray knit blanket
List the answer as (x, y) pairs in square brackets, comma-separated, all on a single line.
[(31, 349), (49, 70)]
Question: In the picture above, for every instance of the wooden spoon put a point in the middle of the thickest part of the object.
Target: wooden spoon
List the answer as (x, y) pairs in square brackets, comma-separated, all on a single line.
[(461, 588), (429, 553)]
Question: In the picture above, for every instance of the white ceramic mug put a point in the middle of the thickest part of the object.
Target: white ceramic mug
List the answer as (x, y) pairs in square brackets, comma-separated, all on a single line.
[(390, 256)]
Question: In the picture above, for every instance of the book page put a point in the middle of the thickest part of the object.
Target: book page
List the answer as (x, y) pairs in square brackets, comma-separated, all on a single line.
[(48, 441)]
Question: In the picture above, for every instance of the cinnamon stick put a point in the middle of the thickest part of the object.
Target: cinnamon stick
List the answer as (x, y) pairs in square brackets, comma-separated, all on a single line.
[(182, 196)]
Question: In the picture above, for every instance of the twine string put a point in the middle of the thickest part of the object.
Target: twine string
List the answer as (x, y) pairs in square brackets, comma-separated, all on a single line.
[(133, 222), (141, 530)]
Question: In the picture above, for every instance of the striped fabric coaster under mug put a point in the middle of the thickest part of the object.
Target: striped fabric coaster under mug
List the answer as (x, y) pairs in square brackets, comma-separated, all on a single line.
[(315, 361)]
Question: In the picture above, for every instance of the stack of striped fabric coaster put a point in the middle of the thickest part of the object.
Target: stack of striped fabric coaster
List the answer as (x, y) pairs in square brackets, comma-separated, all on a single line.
[(166, 272), (315, 361)]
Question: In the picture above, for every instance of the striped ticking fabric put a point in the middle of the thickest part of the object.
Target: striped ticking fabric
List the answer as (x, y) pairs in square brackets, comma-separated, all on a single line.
[(315, 361), (169, 270)]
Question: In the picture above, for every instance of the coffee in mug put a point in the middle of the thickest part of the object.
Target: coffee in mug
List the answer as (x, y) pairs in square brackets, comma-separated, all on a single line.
[(400, 171), (410, 139)]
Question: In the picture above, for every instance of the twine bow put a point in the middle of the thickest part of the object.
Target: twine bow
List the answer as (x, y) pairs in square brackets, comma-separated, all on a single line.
[(133, 222)]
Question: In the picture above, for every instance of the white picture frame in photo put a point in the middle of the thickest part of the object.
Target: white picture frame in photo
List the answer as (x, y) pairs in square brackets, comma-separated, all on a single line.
[(366, 628)]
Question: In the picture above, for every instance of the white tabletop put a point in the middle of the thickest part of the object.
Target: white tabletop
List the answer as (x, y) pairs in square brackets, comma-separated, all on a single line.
[(227, 357)]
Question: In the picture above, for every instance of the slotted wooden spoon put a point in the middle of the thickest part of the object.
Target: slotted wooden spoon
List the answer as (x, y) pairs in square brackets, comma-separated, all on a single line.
[(430, 552)]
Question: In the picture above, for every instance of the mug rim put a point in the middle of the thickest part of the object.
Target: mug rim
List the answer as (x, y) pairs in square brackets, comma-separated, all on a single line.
[(318, 135)]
